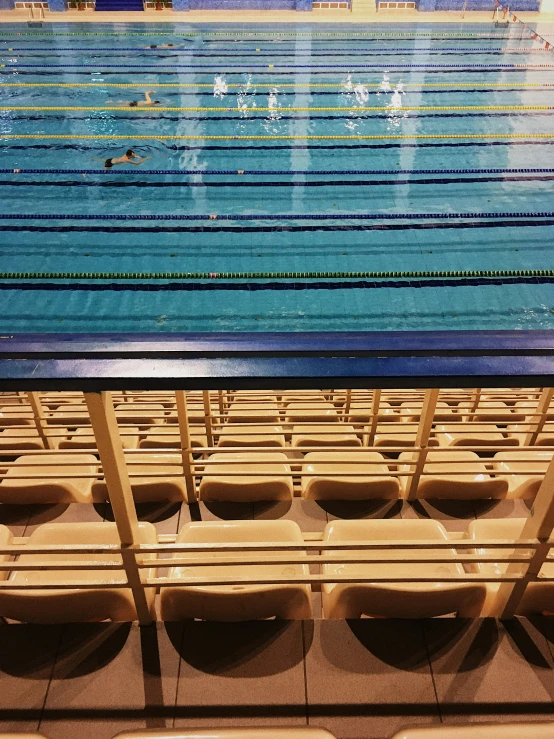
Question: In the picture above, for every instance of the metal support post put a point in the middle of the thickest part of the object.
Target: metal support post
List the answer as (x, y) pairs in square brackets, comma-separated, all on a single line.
[(108, 441), (38, 413), (542, 408), (422, 437), (208, 421), (186, 447)]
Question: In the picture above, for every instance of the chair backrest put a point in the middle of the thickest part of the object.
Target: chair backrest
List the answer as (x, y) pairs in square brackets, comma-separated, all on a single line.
[(246, 733)]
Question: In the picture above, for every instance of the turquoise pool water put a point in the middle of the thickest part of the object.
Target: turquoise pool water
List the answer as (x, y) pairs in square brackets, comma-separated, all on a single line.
[(248, 84)]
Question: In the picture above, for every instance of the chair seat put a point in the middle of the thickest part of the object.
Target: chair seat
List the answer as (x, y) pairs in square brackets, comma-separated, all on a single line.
[(522, 431), (237, 602), (322, 480), (45, 487), (411, 411), (25, 438), (242, 733), (311, 411), (16, 415), (228, 484), (83, 438), (251, 436), (251, 412), (473, 435), (523, 730), (75, 604), (330, 434), (522, 485), (360, 412), (154, 477), (496, 411), (396, 600), (397, 435), (141, 413), (440, 481), (169, 438)]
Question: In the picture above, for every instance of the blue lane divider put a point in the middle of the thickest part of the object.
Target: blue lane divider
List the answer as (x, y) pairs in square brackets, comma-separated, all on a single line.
[(279, 171), (264, 217), (273, 286)]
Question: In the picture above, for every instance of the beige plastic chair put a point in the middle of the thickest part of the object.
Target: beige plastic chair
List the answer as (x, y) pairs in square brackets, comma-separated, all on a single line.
[(141, 413), (69, 414), (67, 606), (310, 411), (325, 434), (6, 538), (396, 600), (411, 411), (229, 485), (474, 434), (523, 730), (83, 438), (495, 411), (360, 412), (148, 484), (321, 478), (237, 602), (170, 438), (251, 436), (521, 431), (245, 733), (525, 485), (46, 487), (16, 415), (24, 438), (397, 435), (437, 480), (252, 412), (22, 736)]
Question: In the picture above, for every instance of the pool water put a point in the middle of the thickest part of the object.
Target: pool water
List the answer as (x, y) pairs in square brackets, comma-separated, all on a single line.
[(242, 86)]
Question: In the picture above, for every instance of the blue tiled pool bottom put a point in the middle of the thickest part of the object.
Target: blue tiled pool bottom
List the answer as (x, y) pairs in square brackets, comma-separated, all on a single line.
[(486, 103)]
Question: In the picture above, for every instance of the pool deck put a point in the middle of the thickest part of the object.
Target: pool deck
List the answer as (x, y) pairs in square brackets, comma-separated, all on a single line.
[(362, 15)]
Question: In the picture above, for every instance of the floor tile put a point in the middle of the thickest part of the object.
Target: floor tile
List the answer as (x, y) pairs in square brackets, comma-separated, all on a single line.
[(345, 509), (475, 662), (308, 514), (27, 654), (367, 678), (455, 515), (64, 513), (235, 674), (111, 676)]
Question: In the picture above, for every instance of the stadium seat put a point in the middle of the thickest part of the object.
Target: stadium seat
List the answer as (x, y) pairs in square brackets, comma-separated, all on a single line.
[(522, 485), (26, 735), (411, 411), (26, 438), (397, 435), (154, 477), (523, 730), (46, 487), (495, 411), (396, 600), (324, 434), (310, 411), (439, 481), (227, 484), (237, 602), (538, 596), (78, 604), (169, 438), (322, 480), (244, 733), (360, 412), (473, 435), (252, 412), (16, 415), (251, 436), (83, 438), (141, 413)]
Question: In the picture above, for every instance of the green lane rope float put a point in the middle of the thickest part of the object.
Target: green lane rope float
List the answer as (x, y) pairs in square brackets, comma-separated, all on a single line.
[(274, 275)]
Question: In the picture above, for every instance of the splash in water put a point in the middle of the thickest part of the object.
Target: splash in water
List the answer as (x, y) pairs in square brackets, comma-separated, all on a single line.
[(220, 86), (396, 99), (348, 84), (361, 93), (384, 85)]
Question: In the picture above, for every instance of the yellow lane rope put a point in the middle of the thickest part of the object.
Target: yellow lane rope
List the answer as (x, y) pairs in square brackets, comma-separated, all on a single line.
[(153, 137), (247, 33), (308, 85), (262, 109)]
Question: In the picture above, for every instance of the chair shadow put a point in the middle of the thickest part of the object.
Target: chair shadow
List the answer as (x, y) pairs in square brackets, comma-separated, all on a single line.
[(152, 512), (352, 509)]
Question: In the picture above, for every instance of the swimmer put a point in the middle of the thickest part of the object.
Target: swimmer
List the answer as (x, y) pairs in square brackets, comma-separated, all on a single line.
[(139, 103), (163, 46), (128, 158)]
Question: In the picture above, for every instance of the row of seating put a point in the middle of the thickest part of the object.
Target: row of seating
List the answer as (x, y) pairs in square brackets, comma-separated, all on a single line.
[(356, 581), (519, 730), (256, 476)]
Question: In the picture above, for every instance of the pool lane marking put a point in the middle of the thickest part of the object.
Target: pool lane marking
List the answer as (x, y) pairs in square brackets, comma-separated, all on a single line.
[(297, 137), (299, 34), (241, 172), (307, 85), (213, 68), (252, 51), (293, 109)]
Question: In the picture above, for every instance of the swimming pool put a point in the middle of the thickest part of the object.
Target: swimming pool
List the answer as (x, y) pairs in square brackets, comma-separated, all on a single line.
[(261, 131)]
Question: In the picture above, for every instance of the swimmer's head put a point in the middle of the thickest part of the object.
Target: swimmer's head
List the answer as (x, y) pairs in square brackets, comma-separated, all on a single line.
[(170, 44), (133, 104), (130, 153)]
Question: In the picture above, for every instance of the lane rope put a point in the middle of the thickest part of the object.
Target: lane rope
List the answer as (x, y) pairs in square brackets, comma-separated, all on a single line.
[(246, 70), (290, 137), (192, 50), (264, 109), (266, 216), (307, 85), (273, 275), (126, 172)]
